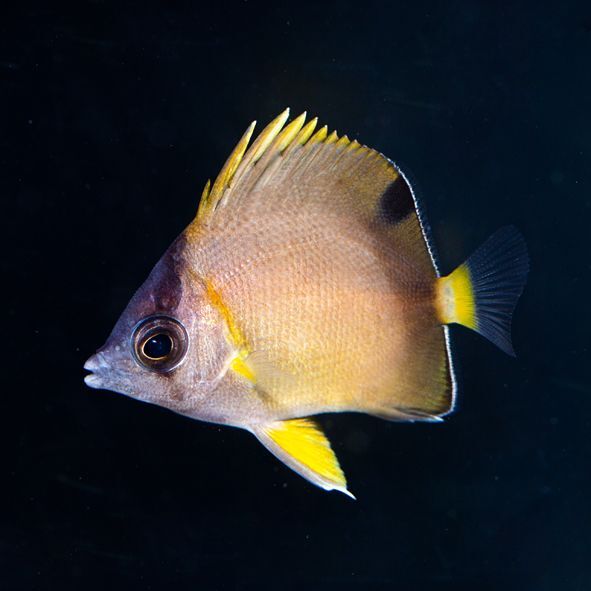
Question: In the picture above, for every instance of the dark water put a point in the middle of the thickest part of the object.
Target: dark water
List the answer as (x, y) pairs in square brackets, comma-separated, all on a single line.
[(113, 118)]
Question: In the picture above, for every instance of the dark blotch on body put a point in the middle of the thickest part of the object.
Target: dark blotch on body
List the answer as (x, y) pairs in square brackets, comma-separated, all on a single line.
[(396, 202)]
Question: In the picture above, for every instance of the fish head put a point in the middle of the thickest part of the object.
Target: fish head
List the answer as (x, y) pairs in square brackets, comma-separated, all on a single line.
[(168, 347)]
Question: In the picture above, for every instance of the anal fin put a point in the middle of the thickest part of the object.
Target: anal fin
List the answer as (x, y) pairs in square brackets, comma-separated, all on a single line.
[(302, 446), (407, 415)]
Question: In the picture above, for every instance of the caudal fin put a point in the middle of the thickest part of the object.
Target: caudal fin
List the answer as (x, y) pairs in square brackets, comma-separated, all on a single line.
[(483, 291)]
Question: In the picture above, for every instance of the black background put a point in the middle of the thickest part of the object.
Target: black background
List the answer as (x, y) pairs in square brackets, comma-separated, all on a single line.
[(113, 117)]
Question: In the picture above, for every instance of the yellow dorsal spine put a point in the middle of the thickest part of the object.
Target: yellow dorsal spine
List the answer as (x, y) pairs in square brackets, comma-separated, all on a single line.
[(225, 177), (204, 197), (306, 132), (267, 136), (289, 133), (319, 136), (275, 139), (344, 141), (332, 138), (353, 146)]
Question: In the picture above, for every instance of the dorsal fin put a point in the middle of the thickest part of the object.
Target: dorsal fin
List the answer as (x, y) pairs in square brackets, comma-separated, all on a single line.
[(289, 149), (258, 148), (298, 166), (209, 198)]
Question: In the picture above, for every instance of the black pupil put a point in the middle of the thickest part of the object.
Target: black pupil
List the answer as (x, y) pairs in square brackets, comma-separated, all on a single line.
[(158, 346)]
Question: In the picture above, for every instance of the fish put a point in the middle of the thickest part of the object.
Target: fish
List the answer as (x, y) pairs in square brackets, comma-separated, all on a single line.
[(307, 283)]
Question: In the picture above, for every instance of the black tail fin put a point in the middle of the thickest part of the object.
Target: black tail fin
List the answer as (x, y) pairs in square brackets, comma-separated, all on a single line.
[(482, 292)]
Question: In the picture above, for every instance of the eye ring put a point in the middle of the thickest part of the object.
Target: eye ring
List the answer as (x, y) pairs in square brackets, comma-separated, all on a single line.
[(159, 343)]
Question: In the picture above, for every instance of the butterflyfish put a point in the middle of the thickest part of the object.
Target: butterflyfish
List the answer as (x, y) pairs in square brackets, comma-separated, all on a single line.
[(306, 284)]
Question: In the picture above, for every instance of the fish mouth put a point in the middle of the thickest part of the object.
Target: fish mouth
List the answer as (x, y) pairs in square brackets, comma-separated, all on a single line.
[(96, 365)]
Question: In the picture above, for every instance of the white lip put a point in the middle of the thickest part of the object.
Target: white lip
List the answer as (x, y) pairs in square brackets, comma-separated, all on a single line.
[(93, 381), (96, 363)]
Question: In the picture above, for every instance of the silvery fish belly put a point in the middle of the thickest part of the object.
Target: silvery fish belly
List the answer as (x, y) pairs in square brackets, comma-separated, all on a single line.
[(306, 284)]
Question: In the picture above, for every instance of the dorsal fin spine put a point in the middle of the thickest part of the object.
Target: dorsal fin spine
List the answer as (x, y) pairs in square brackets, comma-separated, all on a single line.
[(332, 138), (209, 199), (306, 132), (267, 136), (302, 138), (344, 141), (289, 133), (276, 139), (261, 143), (205, 193), (319, 136), (271, 158), (354, 145)]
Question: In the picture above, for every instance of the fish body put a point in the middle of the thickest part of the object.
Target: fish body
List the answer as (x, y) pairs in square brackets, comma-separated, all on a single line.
[(306, 284)]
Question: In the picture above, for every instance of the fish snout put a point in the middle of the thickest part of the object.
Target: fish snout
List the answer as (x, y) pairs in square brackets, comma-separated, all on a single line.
[(95, 364)]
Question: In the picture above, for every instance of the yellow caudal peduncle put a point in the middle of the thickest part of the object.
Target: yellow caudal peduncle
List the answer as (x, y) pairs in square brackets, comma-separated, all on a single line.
[(454, 298)]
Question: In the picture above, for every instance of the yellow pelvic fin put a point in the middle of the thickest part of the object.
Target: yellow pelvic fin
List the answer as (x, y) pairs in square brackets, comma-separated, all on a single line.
[(302, 446), (454, 298)]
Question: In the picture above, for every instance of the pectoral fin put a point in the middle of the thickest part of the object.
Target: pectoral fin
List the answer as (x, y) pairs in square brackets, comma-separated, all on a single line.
[(301, 445)]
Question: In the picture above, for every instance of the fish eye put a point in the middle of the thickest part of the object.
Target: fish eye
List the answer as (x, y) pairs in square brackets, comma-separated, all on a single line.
[(159, 343), (158, 346)]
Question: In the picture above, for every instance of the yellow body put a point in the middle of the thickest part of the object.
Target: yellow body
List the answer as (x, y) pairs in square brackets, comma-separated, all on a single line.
[(327, 305)]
